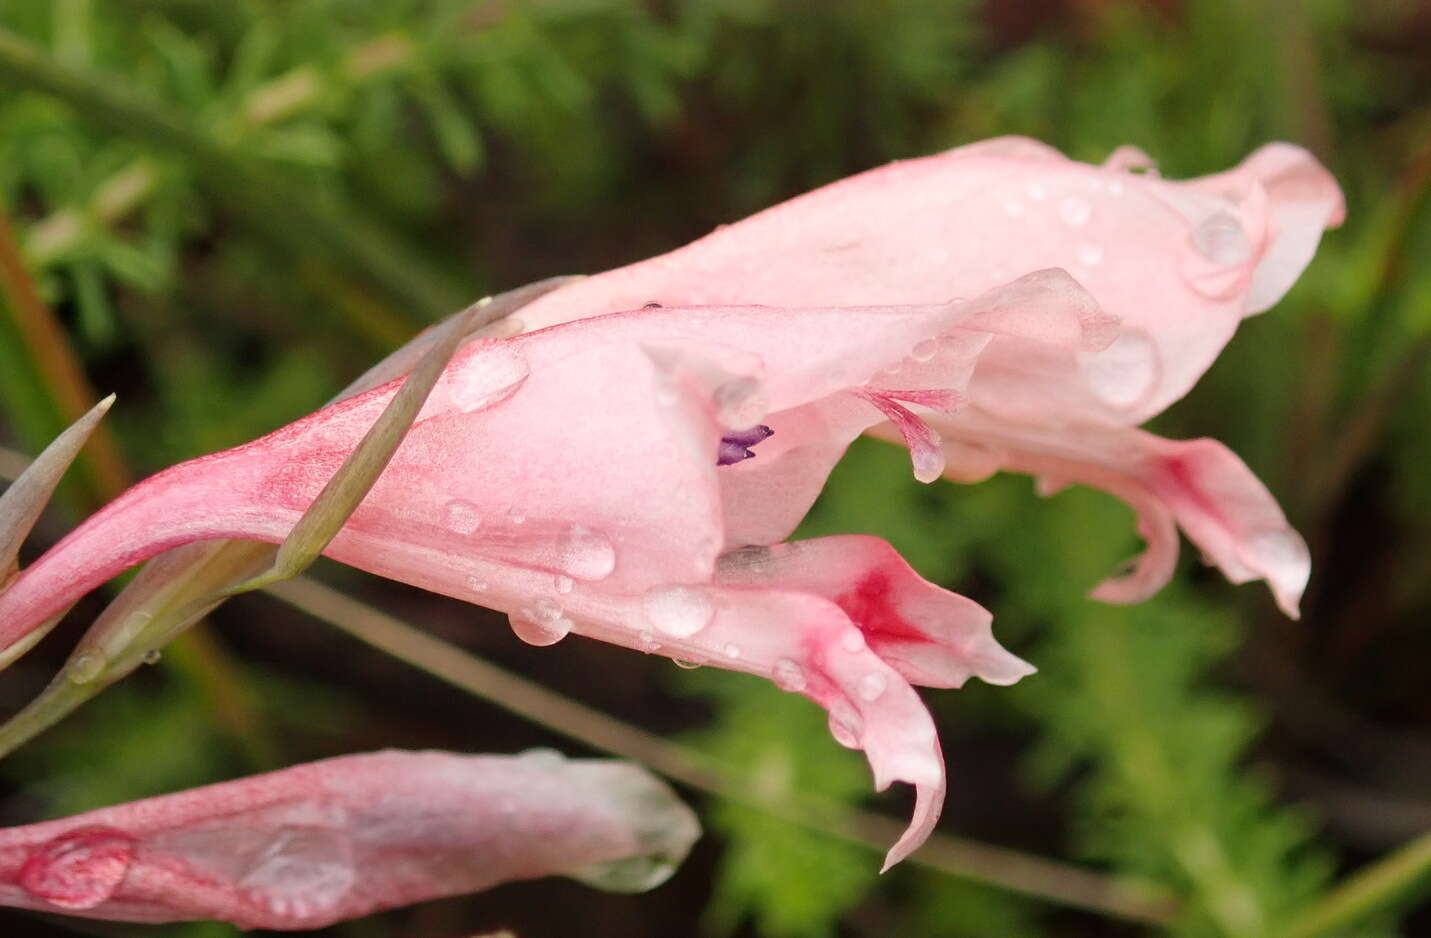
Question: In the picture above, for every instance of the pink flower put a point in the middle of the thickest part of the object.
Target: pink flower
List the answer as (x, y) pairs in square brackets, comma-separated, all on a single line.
[(328, 841), (1174, 266), (595, 476)]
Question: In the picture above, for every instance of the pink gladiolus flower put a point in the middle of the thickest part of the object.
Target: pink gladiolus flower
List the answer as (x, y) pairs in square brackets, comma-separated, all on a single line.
[(328, 841), (631, 476), (1175, 265)]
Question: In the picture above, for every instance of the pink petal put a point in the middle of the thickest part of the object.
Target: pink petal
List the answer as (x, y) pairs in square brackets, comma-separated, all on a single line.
[(334, 840), (961, 222), (929, 635), (1198, 485)]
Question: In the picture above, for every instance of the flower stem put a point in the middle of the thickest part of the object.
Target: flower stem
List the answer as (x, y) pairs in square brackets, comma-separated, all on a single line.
[(1049, 880), (1365, 892)]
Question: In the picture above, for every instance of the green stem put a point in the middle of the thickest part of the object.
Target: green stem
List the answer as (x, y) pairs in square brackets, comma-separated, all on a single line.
[(273, 203), (1366, 892)]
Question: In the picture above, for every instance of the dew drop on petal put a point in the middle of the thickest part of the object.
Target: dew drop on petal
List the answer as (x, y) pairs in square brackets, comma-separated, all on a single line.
[(462, 517), (925, 350), (476, 585), (788, 676), (302, 870), (487, 378), (153, 656), (563, 583), (871, 686), (732, 650), (516, 516), (79, 869), (648, 640), (587, 554), (1074, 211), (1090, 255), (852, 640), (845, 725), (1123, 372), (533, 628), (1036, 191), (1221, 239), (684, 665), (679, 611)]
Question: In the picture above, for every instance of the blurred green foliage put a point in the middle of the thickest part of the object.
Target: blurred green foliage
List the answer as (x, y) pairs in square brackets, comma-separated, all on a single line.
[(235, 206)]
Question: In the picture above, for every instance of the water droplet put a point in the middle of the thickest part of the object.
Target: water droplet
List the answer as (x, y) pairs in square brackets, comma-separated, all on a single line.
[(1090, 255), (79, 869), (301, 870), (845, 725), (462, 517), (732, 650), (925, 350), (476, 584), (789, 676), (1221, 239), (871, 686), (530, 627), (152, 656), (543, 756), (545, 610), (86, 666), (1074, 211), (587, 554), (852, 640), (740, 402), (684, 665), (1123, 372), (648, 640), (1036, 191), (679, 611), (563, 583), (516, 516), (1013, 208), (488, 377)]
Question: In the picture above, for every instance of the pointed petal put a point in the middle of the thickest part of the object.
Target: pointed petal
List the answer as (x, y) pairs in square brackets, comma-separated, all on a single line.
[(931, 636), (27, 496)]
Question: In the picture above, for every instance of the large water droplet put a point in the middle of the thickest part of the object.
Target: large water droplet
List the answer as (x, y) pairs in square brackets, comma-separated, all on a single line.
[(925, 350), (489, 377), (871, 686), (153, 656), (540, 627), (462, 517), (1074, 211), (648, 640), (845, 725), (1124, 371), (732, 650), (685, 665), (1090, 255), (79, 869), (679, 611), (1221, 239), (740, 402), (563, 583), (301, 870), (789, 676), (586, 554), (86, 666)]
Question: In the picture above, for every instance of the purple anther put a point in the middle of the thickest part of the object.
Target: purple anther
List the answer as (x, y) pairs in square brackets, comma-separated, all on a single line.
[(736, 446)]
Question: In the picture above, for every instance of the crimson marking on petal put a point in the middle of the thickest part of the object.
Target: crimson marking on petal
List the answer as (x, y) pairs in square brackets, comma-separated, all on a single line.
[(870, 605), (737, 446)]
